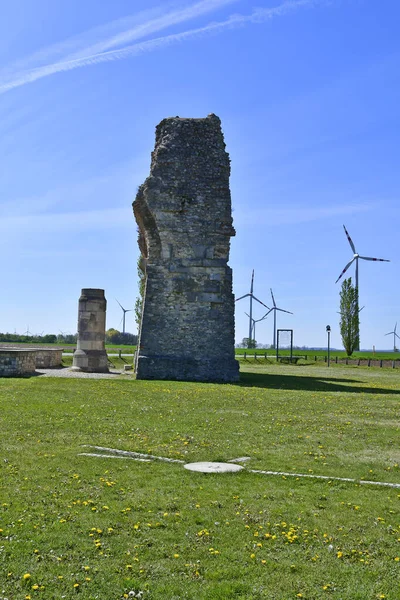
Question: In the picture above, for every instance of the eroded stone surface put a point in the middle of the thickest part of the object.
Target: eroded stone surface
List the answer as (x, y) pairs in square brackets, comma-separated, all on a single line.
[(183, 211)]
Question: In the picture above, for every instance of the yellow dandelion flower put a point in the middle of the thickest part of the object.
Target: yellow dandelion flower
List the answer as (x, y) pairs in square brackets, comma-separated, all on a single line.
[(27, 576), (35, 587), (176, 555)]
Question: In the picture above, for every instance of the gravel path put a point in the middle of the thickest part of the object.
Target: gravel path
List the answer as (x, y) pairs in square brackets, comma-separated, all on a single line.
[(66, 372)]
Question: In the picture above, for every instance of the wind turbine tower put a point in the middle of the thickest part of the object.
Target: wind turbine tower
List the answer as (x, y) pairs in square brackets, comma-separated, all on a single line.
[(355, 259), (395, 335), (275, 308), (124, 310), (252, 297)]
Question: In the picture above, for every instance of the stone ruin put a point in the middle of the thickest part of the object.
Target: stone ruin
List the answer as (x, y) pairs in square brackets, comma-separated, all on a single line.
[(90, 354), (183, 211)]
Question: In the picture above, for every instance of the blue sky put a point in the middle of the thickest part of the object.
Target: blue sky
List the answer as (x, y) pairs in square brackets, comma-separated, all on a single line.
[(308, 92)]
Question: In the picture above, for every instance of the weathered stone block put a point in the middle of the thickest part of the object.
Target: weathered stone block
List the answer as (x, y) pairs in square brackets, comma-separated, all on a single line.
[(183, 211)]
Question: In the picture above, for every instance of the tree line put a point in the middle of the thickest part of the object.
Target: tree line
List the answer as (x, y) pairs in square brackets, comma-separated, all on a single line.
[(113, 336)]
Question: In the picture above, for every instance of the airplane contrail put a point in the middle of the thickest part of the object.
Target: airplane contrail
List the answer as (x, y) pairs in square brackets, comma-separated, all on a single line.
[(236, 20)]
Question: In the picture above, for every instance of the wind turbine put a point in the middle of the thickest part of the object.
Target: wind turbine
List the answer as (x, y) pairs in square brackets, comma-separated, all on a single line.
[(394, 337), (125, 310), (252, 296), (254, 321), (275, 308), (355, 258)]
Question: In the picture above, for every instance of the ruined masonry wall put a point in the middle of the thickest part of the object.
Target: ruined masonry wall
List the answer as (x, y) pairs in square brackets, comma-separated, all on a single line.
[(48, 358), (17, 362), (183, 211)]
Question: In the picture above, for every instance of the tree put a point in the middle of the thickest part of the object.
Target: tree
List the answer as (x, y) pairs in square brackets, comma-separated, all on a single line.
[(113, 336), (349, 317), (248, 343)]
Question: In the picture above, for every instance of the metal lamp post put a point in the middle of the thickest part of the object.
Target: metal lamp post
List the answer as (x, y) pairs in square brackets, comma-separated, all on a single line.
[(328, 330)]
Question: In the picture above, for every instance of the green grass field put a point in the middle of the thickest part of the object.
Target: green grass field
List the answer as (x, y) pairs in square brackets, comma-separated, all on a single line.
[(100, 528), (320, 354)]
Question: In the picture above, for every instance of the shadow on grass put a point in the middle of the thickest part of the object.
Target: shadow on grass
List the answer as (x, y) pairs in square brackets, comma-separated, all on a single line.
[(313, 384)]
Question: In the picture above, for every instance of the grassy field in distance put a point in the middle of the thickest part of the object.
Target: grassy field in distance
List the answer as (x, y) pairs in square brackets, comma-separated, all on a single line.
[(101, 527), (366, 354), (341, 354)]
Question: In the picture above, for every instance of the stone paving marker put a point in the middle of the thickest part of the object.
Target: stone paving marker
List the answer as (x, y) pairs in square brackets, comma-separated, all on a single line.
[(213, 467), (183, 211)]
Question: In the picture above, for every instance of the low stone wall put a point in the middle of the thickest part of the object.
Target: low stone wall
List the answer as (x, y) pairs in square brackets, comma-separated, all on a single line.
[(46, 358), (14, 363)]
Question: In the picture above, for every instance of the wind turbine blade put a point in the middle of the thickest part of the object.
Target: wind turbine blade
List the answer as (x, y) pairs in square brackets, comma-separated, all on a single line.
[(258, 320), (273, 299), (252, 282), (266, 314), (361, 309), (241, 297), (390, 333), (286, 311), (260, 302), (120, 304), (350, 240), (397, 335), (345, 269), (128, 310), (374, 259), (395, 327)]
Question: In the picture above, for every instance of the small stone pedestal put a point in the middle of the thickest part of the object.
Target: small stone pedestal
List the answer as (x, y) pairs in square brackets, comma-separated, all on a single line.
[(90, 354)]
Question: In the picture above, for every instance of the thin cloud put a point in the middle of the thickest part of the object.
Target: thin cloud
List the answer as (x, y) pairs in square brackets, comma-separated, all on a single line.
[(89, 57), (293, 215), (103, 38), (69, 221)]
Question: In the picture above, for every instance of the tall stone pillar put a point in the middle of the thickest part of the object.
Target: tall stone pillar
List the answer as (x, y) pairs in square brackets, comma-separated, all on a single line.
[(183, 211), (90, 354)]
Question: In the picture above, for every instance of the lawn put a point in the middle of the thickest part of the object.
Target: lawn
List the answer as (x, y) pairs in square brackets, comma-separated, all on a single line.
[(101, 528)]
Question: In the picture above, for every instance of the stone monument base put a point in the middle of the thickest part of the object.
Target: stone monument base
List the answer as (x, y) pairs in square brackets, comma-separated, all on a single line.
[(90, 361), (183, 368)]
